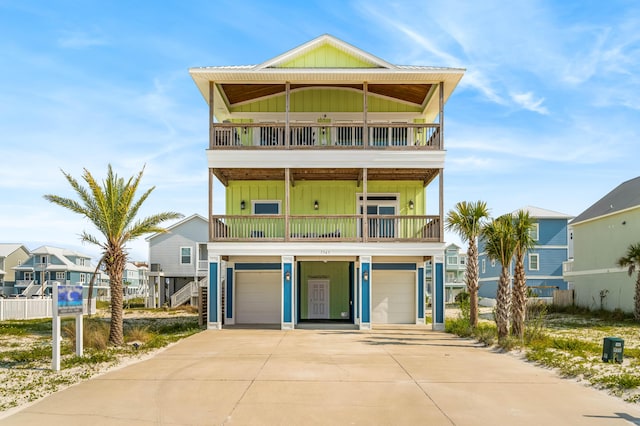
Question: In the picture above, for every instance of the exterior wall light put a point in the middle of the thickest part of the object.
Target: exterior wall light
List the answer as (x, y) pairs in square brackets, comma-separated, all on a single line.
[(242, 205), (287, 276), (365, 276), (316, 206), (411, 205)]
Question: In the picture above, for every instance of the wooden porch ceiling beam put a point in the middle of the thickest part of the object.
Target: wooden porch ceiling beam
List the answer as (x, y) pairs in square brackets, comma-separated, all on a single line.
[(221, 177)]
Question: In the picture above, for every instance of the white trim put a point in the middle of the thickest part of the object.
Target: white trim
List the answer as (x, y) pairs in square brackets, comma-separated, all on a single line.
[(326, 158), (606, 215), (325, 249), (539, 247)]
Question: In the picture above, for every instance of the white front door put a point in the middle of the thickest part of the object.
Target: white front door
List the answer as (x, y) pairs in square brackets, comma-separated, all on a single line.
[(318, 291)]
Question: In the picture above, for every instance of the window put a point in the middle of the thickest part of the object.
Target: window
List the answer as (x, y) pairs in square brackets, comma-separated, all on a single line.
[(28, 276), (185, 255), (535, 231), (484, 266), (83, 277), (44, 259), (534, 262), (266, 207), (60, 276), (452, 260), (462, 261)]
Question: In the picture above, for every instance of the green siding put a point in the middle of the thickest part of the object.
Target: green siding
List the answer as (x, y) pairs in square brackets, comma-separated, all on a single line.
[(338, 275), (334, 197), (325, 100), (326, 56)]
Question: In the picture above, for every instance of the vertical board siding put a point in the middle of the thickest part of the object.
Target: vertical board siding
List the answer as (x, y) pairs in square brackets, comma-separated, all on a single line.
[(326, 56)]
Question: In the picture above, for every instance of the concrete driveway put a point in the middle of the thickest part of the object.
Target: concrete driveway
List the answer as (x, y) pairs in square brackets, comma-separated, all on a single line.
[(388, 376)]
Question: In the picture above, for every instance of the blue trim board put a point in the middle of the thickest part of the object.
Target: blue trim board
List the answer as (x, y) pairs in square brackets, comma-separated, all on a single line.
[(421, 300), (258, 266), (287, 288), (393, 266), (229, 294), (366, 294), (439, 294), (213, 293)]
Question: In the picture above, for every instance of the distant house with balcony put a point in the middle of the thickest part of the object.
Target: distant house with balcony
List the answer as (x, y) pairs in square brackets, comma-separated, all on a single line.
[(543, 263), (455, 266), (325, 154), (46, 265), (11, 255), (178, 260), (601, 235)]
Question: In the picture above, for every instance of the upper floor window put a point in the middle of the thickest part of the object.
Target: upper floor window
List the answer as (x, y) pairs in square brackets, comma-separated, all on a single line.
[(61, 276), (535, 232), (462, 260), (266, 207), (484, 266), (534, 261), (83, 277), (185, 255), (43, 259), (452, 260)]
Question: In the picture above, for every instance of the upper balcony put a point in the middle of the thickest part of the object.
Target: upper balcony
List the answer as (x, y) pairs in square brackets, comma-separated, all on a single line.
[(303, 136)]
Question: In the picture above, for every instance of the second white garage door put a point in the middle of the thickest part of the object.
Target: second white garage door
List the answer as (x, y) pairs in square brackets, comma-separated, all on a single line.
[(257, 298), (393, 299)]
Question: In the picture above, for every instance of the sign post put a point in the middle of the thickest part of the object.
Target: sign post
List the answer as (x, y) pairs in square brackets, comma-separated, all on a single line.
[(66, 300)]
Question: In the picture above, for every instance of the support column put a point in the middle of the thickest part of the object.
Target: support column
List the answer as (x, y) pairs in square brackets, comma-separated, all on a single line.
[(437, 293), (287, 135), (365, 293), (420, 296), (229, 315), (214, 311), (287, 293), (365, 107)]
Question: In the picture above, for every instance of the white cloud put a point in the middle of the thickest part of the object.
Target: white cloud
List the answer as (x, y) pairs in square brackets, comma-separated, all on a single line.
[(80, 40), (527, 101)]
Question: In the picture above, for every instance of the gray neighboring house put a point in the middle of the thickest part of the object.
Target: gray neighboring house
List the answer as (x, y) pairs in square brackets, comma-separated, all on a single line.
[(177, 258), (11, 255)]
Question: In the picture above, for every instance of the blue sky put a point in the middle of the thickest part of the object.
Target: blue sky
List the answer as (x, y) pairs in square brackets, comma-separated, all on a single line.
[(548, 113)]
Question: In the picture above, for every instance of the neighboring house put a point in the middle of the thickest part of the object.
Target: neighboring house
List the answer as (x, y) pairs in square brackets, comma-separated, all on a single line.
[(455, 266), (601, 235), (177, 257), (46, 265), (543, 264), (135, 280), (11, 255), (325, 154)]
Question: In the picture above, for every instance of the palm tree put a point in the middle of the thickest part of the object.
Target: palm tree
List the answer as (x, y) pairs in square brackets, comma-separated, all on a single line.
[(523, 224), (500, 245), (112, 209), (467, 220), (631, 260)]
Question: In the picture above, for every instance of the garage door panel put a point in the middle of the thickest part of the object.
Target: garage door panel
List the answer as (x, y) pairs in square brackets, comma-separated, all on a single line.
[(393, 298), (257, 298)]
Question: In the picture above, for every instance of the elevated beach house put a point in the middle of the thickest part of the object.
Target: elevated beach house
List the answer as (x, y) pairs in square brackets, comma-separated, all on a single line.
[(326, 154)]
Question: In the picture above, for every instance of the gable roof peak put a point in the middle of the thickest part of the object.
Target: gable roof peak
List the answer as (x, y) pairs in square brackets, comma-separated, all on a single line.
[(326, 39)]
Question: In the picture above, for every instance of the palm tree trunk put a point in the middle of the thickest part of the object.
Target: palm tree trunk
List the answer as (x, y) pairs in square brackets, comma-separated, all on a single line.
[(115, 260), (519, 299), (472, 282), (636, 313), (502, 303)]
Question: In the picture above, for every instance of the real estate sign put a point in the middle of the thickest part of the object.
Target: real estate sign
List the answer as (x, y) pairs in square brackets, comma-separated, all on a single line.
[(69, 300)]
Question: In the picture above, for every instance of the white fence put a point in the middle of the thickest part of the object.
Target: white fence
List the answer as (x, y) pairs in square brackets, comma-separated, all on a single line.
[(23, 308)]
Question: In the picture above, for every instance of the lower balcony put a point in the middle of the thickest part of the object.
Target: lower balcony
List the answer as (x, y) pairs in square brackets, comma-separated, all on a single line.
[(336, 228)]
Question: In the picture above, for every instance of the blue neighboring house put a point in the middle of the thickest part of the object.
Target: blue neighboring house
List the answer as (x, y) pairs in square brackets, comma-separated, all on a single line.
[(543, 264), (46, 265)]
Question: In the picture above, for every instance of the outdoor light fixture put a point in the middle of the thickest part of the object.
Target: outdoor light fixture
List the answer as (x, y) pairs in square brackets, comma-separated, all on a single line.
[(242, 205), (287, 276), (316, 206), (365, 275), (411, 205)]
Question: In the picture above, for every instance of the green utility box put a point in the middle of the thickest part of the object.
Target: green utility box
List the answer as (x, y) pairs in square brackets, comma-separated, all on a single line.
[(612, 349)]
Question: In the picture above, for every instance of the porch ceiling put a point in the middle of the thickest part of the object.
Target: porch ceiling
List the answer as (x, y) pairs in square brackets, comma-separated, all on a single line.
[(236, 93), (354, 174)]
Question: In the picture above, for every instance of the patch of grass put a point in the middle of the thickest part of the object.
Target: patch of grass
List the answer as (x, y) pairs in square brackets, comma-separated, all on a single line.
[(25, 357), (137, 333), (24, 327), (622, 381), (94, 357)]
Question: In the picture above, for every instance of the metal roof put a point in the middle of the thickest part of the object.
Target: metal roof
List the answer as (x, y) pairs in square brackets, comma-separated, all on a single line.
[(539, 213), (623, 197)]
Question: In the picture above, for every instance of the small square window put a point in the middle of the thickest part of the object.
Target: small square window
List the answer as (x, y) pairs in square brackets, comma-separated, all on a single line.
[(534, 262), (185, 255)]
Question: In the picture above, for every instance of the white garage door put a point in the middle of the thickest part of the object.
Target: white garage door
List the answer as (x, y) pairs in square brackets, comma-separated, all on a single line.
[(257, 298), (393, 299)]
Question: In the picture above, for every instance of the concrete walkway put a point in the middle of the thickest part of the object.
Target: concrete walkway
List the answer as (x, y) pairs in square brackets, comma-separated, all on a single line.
[(389, 376)]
